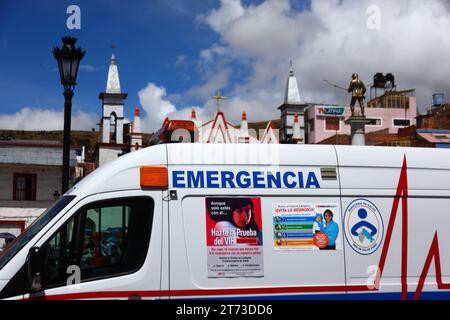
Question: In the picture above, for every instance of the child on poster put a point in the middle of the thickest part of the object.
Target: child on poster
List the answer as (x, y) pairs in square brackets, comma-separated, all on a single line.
[(239, 222), (318, 224)]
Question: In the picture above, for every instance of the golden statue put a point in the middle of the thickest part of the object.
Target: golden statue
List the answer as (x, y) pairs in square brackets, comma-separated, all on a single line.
[(358, 89)]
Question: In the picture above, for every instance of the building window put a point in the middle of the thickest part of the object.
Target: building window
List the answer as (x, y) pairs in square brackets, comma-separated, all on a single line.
[(24, 187), (402, 122), (332, 124), (113, 128), (374, 122)]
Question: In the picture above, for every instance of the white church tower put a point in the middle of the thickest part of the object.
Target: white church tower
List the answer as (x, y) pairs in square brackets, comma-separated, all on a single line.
[(292, 94), (291, 109), (111, 125), (136, 133), (243, 131)]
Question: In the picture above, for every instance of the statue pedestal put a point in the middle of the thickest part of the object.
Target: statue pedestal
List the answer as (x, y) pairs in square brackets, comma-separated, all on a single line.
[(358, 131)]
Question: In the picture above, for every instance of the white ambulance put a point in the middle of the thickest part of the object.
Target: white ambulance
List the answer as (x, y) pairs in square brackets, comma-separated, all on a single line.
[(244, 221)]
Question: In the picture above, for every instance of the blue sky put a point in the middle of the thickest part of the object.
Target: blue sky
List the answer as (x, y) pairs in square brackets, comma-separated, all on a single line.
[(149, 35), (173, 55)]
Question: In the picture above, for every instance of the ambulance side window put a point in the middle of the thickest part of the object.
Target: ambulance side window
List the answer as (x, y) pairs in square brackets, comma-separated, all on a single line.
[(104, 239)]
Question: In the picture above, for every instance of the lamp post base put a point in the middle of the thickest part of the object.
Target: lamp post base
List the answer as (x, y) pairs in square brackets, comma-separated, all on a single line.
[(357, 129)]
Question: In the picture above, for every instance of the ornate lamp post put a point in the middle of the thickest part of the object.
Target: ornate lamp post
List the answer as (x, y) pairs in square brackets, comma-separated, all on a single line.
[(68, 58)]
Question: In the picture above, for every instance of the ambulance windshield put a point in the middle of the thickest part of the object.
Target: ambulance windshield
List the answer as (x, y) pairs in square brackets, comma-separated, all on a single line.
[(14, 247)]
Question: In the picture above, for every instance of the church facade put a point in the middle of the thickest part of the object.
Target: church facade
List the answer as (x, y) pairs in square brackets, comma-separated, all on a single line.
[(217, 130)]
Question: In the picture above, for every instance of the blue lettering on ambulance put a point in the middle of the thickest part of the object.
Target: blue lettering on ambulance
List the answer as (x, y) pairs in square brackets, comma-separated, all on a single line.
[(195, 179), (275, 180), (312, 181), (288, 184), (176, 179), (244, 179), (212, 179), (228, 177), (300, 180), (243, 183), (257, 177)]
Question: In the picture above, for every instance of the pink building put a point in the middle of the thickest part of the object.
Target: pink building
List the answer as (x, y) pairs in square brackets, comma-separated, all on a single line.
[(392, 111)]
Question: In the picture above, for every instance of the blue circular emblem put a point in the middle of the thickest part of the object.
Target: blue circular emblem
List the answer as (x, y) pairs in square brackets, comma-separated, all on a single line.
[(363, 225)]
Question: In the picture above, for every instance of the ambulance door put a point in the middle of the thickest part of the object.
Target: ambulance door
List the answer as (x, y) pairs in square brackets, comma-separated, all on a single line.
[(395, 203), (369, 179), (284, 261), (109, 247)]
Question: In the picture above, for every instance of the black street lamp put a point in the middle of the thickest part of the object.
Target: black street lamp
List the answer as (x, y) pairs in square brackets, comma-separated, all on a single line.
[(69, 59)]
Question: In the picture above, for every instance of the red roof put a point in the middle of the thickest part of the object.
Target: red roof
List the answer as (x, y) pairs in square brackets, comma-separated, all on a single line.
[(173, 125)]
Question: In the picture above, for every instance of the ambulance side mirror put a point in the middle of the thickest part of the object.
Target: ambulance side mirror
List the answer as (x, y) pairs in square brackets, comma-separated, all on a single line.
[(35, 267)]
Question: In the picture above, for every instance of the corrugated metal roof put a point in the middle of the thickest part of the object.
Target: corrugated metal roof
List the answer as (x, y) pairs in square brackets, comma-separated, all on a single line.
[(34, 155)]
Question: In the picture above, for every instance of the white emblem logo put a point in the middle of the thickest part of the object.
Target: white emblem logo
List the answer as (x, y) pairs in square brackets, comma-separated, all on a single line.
[(363, 226)]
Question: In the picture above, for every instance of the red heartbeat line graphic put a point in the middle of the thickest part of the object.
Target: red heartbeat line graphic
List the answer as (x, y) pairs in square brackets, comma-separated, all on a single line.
[(402, 194)]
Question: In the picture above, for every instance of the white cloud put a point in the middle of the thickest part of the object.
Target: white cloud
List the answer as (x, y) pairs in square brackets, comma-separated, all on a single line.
[(210, 54), (216, 79), (45, 119), (90, 67), (331, 41), (181, 60), (220, 19), (157, 106)]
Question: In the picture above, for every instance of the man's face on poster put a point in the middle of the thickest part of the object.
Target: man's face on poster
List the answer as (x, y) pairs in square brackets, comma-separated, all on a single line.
[(242, 216)]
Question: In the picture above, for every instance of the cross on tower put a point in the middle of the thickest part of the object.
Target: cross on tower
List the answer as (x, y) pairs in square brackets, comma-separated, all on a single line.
[(113, 47), (218, 97)]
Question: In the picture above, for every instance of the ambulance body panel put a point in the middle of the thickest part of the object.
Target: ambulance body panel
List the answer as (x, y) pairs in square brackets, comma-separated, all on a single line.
[(374, 175), (389, 204), (428, 170)]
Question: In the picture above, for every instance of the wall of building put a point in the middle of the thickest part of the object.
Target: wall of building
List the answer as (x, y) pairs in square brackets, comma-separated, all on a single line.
[(386, 116), (437, 118), (107, 154), (48, 179), (26, 211)]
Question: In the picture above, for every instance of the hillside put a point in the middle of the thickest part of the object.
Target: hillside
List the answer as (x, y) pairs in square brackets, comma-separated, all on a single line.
[(88, 139)]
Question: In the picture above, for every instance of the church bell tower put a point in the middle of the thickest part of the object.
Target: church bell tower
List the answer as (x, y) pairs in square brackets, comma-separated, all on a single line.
[(111, 143)]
